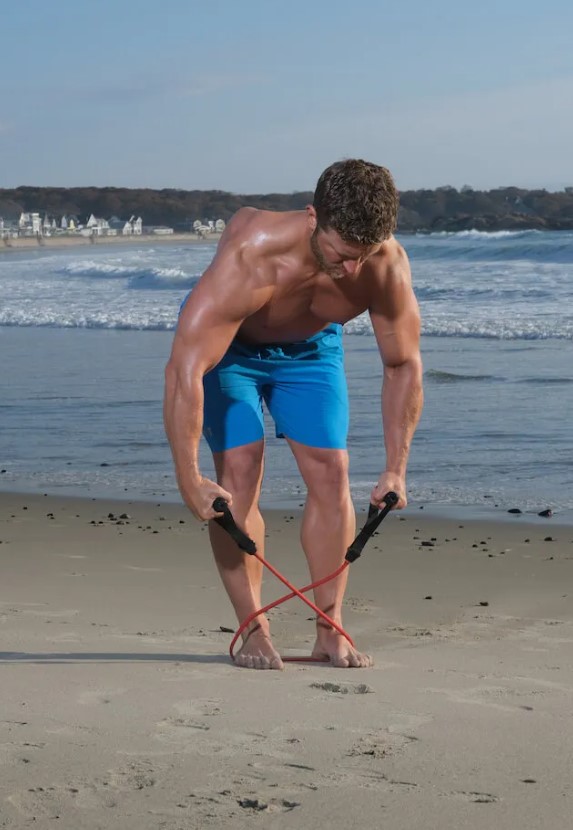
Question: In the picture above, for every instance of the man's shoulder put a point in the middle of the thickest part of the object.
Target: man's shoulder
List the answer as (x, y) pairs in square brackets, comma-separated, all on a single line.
[(258, 232), (253, 220), (390, 262)]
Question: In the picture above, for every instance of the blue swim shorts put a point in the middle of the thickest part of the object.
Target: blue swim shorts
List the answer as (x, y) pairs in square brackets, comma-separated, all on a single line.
[(303, 385)]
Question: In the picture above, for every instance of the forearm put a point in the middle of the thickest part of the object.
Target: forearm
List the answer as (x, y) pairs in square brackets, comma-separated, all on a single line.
[(402, 400), (183, 419)]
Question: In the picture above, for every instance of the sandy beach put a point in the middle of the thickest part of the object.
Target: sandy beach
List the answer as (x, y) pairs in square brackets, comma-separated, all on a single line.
[(121, 708), (25, 243)]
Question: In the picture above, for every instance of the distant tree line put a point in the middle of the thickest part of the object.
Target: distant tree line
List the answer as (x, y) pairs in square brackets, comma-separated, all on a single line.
[(442, 209)]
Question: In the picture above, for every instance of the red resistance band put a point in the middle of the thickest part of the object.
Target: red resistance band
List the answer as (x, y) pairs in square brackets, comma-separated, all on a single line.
[(245, 543)]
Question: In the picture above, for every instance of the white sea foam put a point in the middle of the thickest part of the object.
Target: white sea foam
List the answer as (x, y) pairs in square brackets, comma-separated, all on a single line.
[(512, 294), (481, 235)]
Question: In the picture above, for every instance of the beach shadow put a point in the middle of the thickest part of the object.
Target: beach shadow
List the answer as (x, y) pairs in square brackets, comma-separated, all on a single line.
[(57, 658)]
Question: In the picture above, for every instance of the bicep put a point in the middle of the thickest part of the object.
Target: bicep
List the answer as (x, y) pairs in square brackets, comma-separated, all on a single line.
[(395, 317), (225, 295)]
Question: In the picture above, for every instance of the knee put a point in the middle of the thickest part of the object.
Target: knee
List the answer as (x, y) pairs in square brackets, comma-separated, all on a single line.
[(241, 473), (327, 477)]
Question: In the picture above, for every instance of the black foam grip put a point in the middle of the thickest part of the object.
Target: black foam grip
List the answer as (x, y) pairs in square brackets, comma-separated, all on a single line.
[(227, 522)]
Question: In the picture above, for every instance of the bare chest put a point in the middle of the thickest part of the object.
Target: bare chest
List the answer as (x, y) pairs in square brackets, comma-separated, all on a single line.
[(298, 309)]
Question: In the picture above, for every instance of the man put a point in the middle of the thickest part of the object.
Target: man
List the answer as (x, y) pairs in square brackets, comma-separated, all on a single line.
[(264, 322)]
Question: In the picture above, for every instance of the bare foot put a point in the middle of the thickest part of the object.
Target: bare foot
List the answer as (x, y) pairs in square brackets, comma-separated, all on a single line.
[(330, 645), (258, 652)]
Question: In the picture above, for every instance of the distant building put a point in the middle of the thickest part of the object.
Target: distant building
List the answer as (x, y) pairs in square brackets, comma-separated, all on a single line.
[(8, 228), (48, 225), (131, 227), (69, 223), (118, 225), (97, 226), (207, 226), (30, 224)]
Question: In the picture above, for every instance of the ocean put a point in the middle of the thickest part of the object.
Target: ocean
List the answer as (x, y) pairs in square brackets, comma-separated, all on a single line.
[(85, 334)]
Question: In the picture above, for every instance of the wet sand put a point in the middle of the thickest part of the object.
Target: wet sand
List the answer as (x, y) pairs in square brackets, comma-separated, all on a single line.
[(121, 708)]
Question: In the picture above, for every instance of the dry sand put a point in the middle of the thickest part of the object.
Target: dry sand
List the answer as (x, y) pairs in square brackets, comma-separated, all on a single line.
[(121, 709), (57, 242)]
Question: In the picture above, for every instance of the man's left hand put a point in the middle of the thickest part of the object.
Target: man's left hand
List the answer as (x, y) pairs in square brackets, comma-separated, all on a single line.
[(386, 483)]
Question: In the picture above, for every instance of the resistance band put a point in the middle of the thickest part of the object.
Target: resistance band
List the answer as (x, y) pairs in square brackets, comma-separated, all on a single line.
[(245, 543)]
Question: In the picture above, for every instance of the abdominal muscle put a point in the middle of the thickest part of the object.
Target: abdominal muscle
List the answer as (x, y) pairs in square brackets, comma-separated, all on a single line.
[(262, 328)]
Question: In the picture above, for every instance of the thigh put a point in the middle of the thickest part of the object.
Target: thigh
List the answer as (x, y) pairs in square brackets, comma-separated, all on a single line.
[(240, 470), (309, 402), (232, 412), (325, 471)]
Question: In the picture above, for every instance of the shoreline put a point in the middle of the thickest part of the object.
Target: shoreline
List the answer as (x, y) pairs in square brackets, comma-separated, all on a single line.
[(122, 708), (479, 513), (56, 243)]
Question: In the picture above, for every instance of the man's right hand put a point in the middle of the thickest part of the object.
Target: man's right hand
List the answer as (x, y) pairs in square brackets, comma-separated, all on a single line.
[(201, 495)]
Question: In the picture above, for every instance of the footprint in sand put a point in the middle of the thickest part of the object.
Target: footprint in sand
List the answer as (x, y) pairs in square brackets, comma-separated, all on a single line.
[(232, 803), (54, 801), (137, 775), (273, 805), (341, 689), (191, 715), (59, 800), (379, 745)]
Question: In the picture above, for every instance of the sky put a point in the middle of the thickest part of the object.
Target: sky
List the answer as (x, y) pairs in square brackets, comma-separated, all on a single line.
[(259, 96)]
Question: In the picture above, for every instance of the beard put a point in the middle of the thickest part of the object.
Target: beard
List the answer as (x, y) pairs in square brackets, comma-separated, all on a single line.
[(332, 271)]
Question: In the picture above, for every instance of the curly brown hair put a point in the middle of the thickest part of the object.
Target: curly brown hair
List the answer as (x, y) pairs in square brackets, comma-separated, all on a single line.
[(358, 200)]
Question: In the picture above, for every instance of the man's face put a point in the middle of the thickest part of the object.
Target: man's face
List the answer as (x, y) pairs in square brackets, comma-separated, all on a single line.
[(336, 257)]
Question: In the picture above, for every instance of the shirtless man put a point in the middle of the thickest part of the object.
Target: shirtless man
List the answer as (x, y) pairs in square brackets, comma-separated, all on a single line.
[(264, 322)]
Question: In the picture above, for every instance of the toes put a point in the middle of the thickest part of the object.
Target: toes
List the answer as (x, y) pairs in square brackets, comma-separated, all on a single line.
[(363, 661), (258, 661), (352, 660)]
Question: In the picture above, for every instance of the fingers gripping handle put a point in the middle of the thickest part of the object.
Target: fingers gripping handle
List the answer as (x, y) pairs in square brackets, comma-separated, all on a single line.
[(227, 522), (374, 518)]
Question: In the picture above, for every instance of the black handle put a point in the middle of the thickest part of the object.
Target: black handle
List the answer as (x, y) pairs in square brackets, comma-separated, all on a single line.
[(244, 542), (227, 522), (375, 516)]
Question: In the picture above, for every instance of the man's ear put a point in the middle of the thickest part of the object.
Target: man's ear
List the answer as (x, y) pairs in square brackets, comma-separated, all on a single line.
[(312, 218)]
